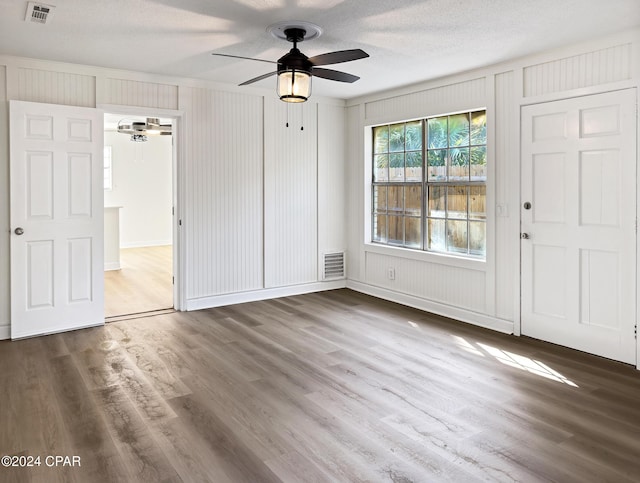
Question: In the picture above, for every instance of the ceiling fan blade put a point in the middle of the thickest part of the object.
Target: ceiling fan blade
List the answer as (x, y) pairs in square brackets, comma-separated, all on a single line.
[(334, 75), (245, 58), (256, 79), (338, 56)]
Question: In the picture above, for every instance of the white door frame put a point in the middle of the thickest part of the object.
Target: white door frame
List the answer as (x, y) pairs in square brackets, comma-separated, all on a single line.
[(177, 187), (522, 102)]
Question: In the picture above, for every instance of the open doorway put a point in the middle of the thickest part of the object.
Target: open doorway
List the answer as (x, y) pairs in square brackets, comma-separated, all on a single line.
[(139, 234)]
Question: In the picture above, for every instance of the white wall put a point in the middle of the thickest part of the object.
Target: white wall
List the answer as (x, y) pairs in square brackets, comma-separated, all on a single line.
[(5, 308), (259, 203), (484, 293), (142, 177)]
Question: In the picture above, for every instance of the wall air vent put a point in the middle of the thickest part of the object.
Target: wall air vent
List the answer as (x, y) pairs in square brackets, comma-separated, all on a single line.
[(39, 12), (333, 266)]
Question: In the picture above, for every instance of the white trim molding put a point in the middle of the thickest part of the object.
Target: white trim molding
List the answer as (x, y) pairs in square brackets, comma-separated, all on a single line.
[(263, 294), (474, 318)]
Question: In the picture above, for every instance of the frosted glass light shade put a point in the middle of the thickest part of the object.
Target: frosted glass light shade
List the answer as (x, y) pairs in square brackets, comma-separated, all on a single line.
[(294, 85)]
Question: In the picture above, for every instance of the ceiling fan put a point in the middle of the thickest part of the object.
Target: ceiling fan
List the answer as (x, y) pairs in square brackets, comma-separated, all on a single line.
[(294, 69)]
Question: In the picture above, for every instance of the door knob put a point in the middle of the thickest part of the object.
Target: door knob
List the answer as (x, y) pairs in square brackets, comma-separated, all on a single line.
[(524, 236), (527, 205), (18, 231)]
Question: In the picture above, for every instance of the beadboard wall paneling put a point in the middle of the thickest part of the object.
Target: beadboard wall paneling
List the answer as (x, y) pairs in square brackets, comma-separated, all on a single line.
[(355, 194), (588, 69), (438, 100), (459, 287), (5, 294), (331, 181), (52, 87), (290, 193), (506, 133), (223, 213), (124, 92), (464, 288)]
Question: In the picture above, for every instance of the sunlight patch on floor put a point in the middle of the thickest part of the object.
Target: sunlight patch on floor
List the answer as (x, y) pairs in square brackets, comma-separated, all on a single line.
[(514, 360)]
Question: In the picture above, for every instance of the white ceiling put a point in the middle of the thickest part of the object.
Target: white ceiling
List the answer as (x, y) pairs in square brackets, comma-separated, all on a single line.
[(408, 40)]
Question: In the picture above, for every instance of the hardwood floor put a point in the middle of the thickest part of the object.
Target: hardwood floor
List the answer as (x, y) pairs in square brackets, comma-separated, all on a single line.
[(144, 283), (335, 386)]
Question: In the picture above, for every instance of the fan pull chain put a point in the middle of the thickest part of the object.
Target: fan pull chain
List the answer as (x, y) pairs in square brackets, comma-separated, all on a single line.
[(288, 106), (302, 118)]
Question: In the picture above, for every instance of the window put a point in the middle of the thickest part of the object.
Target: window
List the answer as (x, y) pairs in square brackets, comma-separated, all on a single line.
[(429, 184), (108, 172)]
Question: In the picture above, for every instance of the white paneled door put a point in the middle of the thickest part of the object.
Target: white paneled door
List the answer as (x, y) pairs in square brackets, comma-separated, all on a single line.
[(56, 176), (578, 218)]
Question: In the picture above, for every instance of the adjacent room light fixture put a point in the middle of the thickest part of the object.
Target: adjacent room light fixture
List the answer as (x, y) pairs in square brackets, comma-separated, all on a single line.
[(140, 130)]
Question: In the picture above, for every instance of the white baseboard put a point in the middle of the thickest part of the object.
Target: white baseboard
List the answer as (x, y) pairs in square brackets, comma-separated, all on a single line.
[(456, 313), (5, 332), (262, 294), (147, 243), (111, 266)]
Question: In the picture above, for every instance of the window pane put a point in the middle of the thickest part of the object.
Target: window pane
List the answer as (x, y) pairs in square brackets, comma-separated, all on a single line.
[(437, 164), (477, 238), (436, 235), (457, 236), (412, 232), (381, 167), (479, 127), (437, 203), (379, 199), (381, 139), (395, 230), (413, 166), (394, 200), (479, 163), (380, 228), (413, 136), (437, 132), (396, 137), (413, 200), (459, 130), (437, 196), (477, 202), (396, 167), (457, 202), (459, 164)]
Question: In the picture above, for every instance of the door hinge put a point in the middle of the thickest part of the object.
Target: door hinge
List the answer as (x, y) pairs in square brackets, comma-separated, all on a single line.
[(173, 280), (173, 210)]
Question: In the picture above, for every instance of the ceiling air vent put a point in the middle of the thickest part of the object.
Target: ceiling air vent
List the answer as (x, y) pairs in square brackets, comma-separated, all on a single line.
[(333, 265), (39, 12)]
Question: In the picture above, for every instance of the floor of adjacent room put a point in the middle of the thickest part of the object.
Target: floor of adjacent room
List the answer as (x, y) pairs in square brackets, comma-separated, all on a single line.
[(143, 284), (332, 386)]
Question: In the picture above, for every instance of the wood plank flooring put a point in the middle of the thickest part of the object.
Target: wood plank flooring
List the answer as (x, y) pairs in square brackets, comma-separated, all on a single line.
[(334, 386), (143, 284)]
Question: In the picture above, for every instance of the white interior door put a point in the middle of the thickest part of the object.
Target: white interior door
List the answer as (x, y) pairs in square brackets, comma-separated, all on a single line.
[(56, 177), (578, 262)]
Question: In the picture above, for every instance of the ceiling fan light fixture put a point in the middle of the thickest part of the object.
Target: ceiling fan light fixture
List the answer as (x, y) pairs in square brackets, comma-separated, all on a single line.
[(151, 127), (294, 85)]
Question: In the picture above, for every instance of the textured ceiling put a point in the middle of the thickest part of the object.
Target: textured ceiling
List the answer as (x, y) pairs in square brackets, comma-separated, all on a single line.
[(408, 40)]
